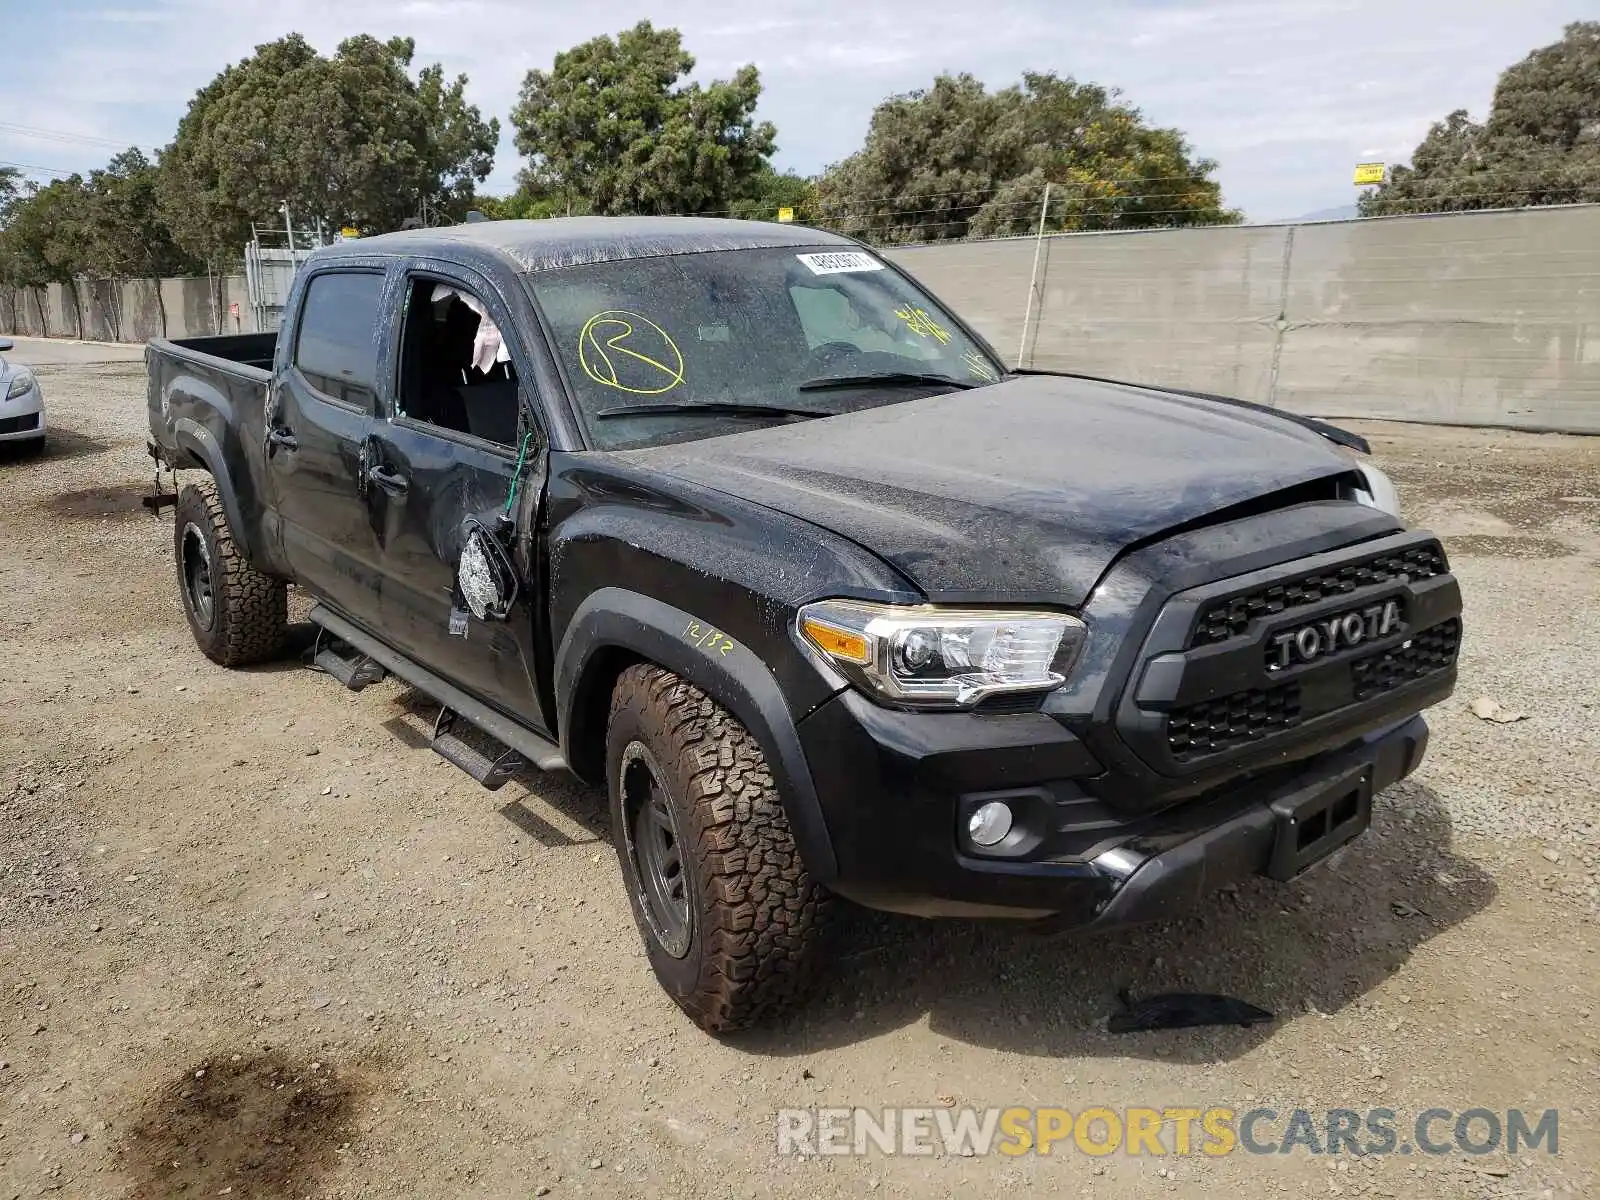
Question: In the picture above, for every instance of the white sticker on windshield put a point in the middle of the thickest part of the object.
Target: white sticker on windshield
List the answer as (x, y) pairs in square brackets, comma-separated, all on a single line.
[(839, 262)]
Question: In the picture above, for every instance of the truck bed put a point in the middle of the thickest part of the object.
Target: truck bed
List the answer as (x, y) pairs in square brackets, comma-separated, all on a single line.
[(245, 349), (207, 410)]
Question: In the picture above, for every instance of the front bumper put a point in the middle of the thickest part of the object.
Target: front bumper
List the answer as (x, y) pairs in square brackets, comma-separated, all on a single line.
[(22, 417), (1163, 874), (896, 794)]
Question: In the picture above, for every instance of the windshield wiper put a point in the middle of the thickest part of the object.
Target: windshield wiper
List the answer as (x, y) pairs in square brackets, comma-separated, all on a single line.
[(886, 377), (710, 409)]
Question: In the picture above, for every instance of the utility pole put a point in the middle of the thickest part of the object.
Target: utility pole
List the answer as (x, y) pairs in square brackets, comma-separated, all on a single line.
[(1038, 244)]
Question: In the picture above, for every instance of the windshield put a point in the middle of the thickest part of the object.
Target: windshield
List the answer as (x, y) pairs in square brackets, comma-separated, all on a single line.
[(759, 337)]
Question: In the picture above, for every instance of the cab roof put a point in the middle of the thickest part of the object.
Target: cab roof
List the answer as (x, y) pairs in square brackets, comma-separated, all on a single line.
[(572, 241)]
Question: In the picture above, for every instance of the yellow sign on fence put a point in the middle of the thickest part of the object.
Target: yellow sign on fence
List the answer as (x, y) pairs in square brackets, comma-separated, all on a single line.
[(1369, 173), (786, 215)]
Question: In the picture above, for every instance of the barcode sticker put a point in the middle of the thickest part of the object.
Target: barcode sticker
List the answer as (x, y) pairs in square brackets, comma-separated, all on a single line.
[(839, 262)]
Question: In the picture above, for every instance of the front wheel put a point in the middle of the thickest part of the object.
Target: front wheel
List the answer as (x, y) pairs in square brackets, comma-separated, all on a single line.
[(238, 615), (730, 919)]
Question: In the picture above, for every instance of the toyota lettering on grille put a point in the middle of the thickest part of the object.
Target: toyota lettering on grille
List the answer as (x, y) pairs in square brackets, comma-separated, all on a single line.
[(1316, 640)]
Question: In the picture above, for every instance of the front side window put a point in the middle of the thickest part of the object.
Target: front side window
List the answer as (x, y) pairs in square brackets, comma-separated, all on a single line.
[(456, 372), (337, 348), (695, 345)]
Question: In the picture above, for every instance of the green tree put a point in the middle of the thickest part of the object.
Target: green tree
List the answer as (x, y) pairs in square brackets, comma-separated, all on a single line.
[(350, 139), (124, 233), (10, 189), (533, 200), (45, 242), (611, 123), (1540, 144), (956, 160), (460, 145), (769, 191)]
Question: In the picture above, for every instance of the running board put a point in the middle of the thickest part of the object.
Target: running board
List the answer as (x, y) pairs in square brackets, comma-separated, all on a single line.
[(491, 772), (545, 755)]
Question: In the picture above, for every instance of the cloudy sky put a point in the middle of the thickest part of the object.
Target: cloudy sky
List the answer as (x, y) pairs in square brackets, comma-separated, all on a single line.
[(1286, 95)]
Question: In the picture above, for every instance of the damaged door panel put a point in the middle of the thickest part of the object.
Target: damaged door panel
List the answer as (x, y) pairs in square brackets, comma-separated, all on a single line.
[(422, 532)]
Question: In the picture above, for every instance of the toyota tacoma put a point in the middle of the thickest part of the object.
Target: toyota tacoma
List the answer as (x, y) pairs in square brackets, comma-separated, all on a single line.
[(738, 522)]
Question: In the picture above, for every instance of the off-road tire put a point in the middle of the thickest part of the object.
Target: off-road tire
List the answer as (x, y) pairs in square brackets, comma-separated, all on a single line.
[(249, 616), (757, 917)]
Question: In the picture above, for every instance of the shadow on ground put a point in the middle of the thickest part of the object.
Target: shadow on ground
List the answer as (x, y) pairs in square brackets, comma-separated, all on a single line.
[(299, 637), (59, 445), (528, 801), (1321, 943)]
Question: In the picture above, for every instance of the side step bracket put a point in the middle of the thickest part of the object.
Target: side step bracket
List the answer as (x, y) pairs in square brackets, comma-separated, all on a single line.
[(355, 670), (491, 771)]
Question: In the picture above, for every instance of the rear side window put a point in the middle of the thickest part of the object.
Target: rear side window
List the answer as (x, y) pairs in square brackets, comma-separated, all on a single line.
[(337, 348)]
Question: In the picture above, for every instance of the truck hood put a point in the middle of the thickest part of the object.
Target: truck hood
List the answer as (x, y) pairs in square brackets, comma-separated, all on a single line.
[(1023, 491)]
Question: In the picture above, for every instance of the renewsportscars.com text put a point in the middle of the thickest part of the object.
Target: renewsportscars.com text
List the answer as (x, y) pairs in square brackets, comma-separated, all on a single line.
[(1214, 1131)]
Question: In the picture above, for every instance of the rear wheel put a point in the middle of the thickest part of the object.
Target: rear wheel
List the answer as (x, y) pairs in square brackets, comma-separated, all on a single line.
[(237, 614), (730, 919)]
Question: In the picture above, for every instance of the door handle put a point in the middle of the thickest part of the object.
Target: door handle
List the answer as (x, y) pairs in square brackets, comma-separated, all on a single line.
[(390, 481), (283, 437)]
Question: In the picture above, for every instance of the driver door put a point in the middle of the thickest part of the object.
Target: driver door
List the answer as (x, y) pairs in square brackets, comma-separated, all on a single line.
[(454, 444)]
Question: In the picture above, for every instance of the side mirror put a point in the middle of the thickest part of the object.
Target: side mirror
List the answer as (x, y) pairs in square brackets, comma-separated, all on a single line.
[(485, 576), (5, 344)]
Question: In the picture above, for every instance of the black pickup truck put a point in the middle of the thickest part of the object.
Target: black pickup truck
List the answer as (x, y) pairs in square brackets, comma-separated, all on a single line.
[(738, 522)]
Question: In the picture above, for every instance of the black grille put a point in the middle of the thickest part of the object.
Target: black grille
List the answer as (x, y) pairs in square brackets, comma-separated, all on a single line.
[(1431, 650), (1009, 703), (1216, 725), (1224, 619), (19, 424)]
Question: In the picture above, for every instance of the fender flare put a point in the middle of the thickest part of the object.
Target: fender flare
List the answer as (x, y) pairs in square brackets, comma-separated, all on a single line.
[(616, 619), (195, 439)]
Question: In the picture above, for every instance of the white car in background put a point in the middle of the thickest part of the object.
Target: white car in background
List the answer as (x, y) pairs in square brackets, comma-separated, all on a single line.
[(21, 406)]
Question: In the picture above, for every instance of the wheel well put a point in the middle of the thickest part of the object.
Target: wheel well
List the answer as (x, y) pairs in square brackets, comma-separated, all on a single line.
[(591, 710)]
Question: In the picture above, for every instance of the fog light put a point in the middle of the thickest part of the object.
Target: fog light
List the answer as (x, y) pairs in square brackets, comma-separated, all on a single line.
[(989, 823)]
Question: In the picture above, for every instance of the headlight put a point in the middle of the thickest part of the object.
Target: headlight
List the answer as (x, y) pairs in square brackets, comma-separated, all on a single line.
[(931, 657), (1376, 490), (20, 382)]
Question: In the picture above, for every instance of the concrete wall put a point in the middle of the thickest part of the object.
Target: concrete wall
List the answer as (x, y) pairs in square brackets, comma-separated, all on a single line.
[(1481, 318), (1160, 307), (1471, 318), (131, 310)]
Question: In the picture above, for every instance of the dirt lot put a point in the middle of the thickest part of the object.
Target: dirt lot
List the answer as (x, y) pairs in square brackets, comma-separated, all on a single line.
[(255, 936)]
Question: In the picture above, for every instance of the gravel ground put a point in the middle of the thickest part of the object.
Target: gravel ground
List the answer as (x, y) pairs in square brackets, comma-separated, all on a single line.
[(255, 936)]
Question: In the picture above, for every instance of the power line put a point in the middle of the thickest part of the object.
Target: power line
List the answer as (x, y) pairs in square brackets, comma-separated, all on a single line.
[(59, 135), (35, 167)]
